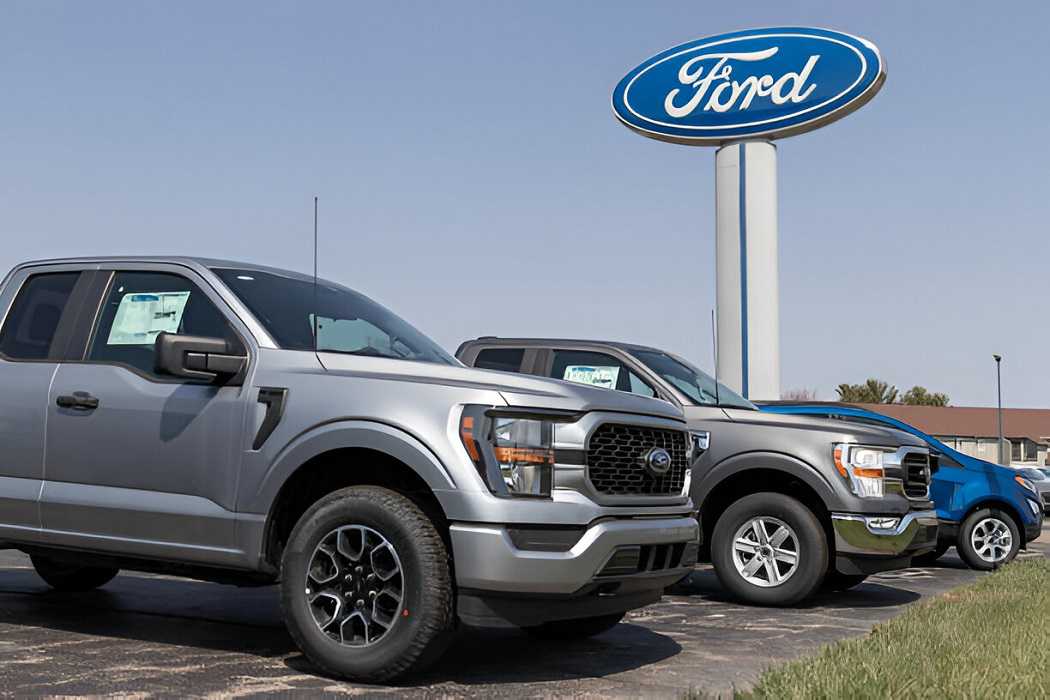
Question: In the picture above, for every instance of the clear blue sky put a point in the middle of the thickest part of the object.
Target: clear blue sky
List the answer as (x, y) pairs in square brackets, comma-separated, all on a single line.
[(472, 176)]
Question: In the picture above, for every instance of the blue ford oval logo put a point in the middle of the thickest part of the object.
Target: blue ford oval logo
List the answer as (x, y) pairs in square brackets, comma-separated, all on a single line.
[(658, 461), (761, 82)]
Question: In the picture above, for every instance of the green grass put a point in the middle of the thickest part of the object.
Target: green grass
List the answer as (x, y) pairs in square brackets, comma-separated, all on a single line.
[(989, 639)]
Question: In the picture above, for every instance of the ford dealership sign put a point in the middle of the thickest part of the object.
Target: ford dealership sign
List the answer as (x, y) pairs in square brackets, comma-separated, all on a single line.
[(764, 83)]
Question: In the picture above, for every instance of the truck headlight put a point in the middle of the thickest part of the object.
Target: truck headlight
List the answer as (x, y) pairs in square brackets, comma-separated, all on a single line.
[(863, 467), (513, 452)]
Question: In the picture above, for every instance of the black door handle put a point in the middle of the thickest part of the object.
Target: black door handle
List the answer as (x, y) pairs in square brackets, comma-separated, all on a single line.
[(80, 400)]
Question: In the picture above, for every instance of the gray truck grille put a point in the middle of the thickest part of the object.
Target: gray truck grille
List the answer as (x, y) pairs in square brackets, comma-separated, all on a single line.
[(616, 460), (916, 475)]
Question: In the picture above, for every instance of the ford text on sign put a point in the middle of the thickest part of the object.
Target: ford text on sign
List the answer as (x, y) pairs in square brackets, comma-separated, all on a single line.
[(763, 83)]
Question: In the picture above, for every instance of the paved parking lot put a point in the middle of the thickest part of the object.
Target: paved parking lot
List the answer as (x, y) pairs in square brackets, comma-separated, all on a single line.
[(146, 635)]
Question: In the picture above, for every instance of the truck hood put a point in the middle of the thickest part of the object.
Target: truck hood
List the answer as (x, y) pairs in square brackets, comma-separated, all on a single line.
[(516, 389), (841, 430)]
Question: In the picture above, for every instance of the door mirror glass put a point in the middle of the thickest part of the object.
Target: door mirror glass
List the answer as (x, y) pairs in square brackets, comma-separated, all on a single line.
[(198, 357)]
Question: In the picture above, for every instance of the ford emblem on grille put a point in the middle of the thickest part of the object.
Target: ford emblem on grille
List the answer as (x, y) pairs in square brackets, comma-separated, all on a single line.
[(658, 461)]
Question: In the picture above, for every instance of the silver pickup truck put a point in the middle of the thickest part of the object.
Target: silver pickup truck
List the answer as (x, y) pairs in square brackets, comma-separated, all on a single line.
[(788, 504), (249, 425)]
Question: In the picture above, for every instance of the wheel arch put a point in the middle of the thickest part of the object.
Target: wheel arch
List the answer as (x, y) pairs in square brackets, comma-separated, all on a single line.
[(341, 454), (756, 472), (1001, 504)]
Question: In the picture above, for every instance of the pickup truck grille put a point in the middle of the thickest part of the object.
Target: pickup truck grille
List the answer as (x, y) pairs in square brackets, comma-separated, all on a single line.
[(616, 460), (916, 468)]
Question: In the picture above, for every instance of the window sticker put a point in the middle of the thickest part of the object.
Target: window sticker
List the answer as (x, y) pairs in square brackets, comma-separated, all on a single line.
[(602, 376), (144, 315)]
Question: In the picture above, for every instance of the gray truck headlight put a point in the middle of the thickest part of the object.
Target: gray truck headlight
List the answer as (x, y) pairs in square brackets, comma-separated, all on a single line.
[(513, 452), (863, 467)]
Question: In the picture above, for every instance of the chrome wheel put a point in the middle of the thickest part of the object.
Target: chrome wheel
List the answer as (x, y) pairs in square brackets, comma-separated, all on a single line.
[(355, 586), (765, 551), (992, 540)]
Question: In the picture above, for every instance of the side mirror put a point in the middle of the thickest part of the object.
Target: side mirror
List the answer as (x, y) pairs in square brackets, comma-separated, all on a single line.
[(197, 357)]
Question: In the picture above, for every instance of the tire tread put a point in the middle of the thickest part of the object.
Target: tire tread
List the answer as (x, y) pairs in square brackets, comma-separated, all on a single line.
[(436, 629)]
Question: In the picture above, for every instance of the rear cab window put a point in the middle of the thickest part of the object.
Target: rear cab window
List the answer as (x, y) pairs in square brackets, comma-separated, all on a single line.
[(30, 329), (500, 359)]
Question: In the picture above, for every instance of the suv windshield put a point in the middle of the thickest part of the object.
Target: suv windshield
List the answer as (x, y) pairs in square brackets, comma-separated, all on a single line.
[(695, 384), (347, 322)]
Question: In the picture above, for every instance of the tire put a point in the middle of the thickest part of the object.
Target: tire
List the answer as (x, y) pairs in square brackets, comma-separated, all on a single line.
[(805, 535), (576, 629), (834, 581), (71, 578), (401, 573), (930, 558), (990, 527)]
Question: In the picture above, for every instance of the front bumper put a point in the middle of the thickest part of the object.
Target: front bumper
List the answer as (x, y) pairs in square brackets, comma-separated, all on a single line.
[(615, 565), (866, 544), (1034, 529)]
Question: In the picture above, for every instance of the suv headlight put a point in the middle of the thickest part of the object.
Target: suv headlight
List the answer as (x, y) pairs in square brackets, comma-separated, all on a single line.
[(1026, 484), (863, 467), (513, 451)]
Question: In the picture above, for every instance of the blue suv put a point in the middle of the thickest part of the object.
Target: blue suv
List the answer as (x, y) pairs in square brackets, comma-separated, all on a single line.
[(986, 511)]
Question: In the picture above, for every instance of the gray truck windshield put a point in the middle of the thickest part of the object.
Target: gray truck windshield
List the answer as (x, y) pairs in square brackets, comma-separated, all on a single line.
[(695, 384), (347, 322)]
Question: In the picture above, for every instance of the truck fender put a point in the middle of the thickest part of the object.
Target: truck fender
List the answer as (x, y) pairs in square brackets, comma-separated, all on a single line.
[(343, 434), (776, 461)]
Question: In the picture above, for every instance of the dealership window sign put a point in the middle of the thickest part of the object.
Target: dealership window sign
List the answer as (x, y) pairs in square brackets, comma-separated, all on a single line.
[(739, 92)]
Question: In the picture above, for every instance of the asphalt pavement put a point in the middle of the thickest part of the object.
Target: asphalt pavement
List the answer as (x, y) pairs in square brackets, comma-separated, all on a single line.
[(154, 636)]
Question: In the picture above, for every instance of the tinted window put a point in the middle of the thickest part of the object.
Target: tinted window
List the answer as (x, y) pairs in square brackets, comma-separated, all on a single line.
[(31, 324), (598, 369), (502, 359), (696, 385), (347, 322), (140, 305)]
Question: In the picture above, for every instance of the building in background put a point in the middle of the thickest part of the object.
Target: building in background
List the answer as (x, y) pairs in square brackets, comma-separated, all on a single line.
[(974, 431)]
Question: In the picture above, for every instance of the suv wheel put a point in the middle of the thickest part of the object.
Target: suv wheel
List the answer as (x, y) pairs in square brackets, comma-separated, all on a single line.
[(769, 549), (576, 629), (365, 585), (988, 538), (63, 576)]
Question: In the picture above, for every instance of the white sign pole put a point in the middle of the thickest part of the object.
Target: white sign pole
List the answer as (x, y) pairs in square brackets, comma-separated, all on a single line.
[(748, 291)]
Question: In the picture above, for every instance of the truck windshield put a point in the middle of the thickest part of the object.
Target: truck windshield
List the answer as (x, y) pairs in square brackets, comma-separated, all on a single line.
[(347, 322), (695, 384)]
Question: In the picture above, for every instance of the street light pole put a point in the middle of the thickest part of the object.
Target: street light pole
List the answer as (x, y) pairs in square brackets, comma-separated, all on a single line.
[(999, 391)]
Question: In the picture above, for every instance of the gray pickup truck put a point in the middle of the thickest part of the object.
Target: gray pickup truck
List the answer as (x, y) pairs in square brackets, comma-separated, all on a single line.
[(787, 503), (249, 425)]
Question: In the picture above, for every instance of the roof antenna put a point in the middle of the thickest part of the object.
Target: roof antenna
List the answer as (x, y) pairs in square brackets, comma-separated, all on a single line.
[(315, 275), (714, 353)]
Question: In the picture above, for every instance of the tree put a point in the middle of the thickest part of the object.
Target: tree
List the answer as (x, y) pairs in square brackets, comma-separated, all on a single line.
[(799, 395), (919, 396), (871, 391)]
